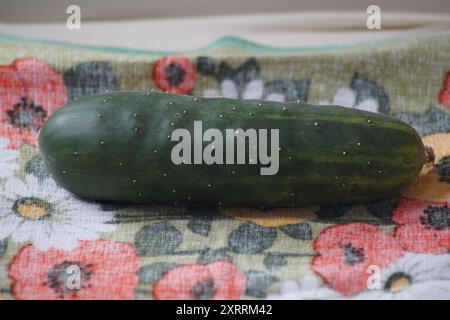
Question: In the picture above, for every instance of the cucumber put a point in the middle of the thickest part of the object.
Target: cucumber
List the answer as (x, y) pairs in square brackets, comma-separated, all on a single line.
[(117, 147)]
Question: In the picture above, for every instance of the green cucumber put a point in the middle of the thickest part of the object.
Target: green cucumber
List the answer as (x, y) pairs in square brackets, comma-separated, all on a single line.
[(117, 147)]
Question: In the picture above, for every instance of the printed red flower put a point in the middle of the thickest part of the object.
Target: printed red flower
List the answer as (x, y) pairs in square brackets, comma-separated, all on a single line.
[(345, 253), (30, 91), (216, 280), (423, 226), (444, 94), (174, 75), (94, 270)]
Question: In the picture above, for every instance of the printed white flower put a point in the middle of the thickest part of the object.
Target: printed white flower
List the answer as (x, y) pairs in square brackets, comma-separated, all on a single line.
[(8, 159), (279, 97), (254, 89), (310, 288), (415, 276), (48, 216), (346, 97)]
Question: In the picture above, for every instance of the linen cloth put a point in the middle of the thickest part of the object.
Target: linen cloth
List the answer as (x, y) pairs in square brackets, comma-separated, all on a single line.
[(54, 245)]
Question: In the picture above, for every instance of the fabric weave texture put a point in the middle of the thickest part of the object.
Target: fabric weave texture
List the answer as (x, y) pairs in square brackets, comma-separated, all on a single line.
[(54, 245)]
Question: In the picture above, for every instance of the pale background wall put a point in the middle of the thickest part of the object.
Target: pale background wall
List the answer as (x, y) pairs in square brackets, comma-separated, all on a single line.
[(188, 24), (53, 10)]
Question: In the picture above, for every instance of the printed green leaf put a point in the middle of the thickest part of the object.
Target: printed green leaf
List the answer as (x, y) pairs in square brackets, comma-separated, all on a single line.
[(157, 239), (251, 238)]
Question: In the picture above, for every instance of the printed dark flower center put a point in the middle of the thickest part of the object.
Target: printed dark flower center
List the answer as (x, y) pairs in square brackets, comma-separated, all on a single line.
[(25, 115), (203, 290), (174, 74), (353, 255), (68, 277), (32, 208), (398, 282), (37, 168), (435, 217)]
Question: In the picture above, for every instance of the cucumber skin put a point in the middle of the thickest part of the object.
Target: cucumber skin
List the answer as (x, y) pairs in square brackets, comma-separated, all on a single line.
[(91, 148)]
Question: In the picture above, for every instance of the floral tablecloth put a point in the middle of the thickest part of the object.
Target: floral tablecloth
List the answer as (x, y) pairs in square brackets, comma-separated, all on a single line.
[(56, 246)]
